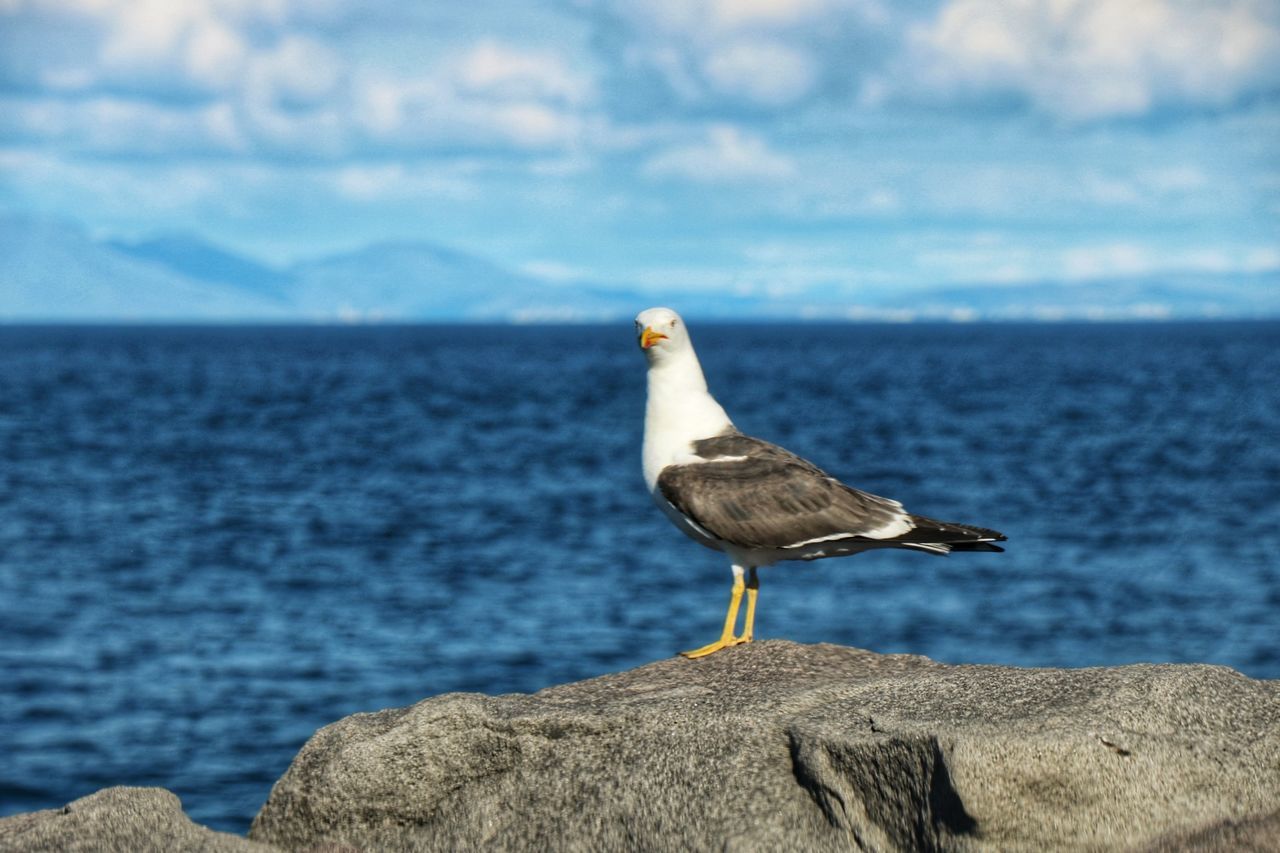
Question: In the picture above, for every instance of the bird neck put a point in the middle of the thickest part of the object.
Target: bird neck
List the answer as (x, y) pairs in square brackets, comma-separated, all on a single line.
[(679, 411)]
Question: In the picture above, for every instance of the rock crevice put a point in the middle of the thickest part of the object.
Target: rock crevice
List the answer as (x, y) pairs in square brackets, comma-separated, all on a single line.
[(887, 792)]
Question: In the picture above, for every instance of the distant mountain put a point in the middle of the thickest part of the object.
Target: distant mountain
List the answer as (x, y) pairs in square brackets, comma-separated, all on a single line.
[(189, 256), (1181, 296), (408, 281), (53, 271)]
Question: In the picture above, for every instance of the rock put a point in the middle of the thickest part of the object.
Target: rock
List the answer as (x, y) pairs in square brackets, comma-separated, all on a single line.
[(777, 746), (129, 820), (1257, 834)]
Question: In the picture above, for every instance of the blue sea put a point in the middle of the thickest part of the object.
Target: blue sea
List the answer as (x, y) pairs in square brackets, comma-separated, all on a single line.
[(214, 541)]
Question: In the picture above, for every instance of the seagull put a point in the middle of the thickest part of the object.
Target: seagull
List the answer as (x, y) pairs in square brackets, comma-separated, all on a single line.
[(756, 502)]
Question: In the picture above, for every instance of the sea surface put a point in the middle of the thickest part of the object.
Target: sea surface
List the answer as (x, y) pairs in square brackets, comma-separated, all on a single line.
[(214, 541)]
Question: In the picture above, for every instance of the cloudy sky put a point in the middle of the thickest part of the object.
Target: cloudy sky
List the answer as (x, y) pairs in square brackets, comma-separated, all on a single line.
[(753, 145)]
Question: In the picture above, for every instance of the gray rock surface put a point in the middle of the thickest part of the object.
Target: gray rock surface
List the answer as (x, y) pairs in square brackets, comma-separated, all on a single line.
[(1257, 834), (778, 746), (129, 820)]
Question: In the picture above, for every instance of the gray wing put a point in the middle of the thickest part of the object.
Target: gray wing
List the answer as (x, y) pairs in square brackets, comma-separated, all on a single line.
[(761, 496)]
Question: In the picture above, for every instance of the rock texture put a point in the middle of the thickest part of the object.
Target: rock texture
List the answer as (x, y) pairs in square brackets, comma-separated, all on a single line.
[(128, 820), (777, 746)]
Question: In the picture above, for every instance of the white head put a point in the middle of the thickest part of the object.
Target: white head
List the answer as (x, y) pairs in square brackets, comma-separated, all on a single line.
[(662, 334), (679, 409)]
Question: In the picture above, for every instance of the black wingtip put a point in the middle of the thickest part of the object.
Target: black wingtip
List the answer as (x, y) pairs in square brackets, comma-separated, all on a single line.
[(961, 537), (976, 546)]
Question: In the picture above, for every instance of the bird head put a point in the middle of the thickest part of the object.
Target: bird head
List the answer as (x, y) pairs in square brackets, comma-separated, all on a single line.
[(660, 332)]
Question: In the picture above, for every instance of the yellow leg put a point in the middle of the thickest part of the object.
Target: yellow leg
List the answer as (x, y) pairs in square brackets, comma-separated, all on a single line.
[(753, 589), (731, 618)]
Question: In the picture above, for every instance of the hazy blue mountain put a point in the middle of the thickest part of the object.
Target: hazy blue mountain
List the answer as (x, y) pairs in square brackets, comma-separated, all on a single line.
[(188, 255), (55, 271), (405, 281), (1182, 296)]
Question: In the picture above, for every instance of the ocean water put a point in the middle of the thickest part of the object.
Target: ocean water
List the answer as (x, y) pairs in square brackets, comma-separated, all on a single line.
[(214, 541)]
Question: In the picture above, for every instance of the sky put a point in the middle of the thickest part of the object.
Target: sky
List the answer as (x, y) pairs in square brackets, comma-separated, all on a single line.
[(752, 146)]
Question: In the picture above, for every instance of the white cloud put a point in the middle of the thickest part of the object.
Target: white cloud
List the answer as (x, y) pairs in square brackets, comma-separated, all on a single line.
[(1113, 259), (380, 182), (1008, 261), (491, 94), (1261, 259), (297, 73), (766, 72), (162, 77), (510, 73), (213, 55), (530, 125), (487, 95), (369, 182), (1175, 179), (148, 38), (736, 13), (726, 155), (260, 78), (431, 111), (555, 271), (151, 46), (107, 124), (116, 189), (762, 53), (1094, 59)]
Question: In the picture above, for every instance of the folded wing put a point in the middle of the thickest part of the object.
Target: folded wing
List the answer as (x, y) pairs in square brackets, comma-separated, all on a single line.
[(754, 494)]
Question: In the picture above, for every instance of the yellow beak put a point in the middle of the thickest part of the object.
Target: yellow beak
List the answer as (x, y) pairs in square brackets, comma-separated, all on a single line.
[(649, 337)]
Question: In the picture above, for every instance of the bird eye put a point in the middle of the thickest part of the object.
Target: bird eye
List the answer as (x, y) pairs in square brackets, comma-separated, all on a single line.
[(673, 323)]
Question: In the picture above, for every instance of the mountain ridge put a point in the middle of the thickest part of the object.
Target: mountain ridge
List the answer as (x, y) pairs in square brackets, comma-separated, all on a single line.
[(52, 270)]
